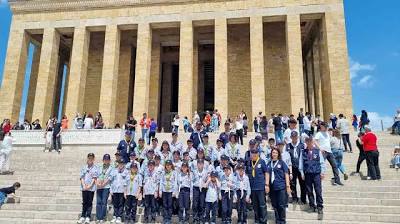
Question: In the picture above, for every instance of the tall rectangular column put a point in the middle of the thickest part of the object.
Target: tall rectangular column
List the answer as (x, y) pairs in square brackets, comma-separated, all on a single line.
[(335, 75), (14, 71), (221, 67), (257, 66), (48, 66), (317, 78), (155, 87), (295, 63), (142, 74), (185, 98), (109, 82), (77, 73)]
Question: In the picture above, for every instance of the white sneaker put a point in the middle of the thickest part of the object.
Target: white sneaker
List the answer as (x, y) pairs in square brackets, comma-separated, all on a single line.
[(114, 219), (87, 220), (81, 220), (118, 220)]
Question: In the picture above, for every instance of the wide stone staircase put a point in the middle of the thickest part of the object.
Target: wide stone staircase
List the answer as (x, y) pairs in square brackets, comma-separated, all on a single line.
[(50, 188)]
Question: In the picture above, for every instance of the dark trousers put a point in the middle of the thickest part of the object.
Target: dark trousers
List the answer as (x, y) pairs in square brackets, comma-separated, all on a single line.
[(331, 159), (241, 206), (240, 135), (101, 206), (131, 207), (227, 203), (118, 201), (87, 203), (184, 204), (152, 134), (293, 186), (167, 206), (56, 143), (313, 183), (175, 206), (346, 141), (149, 207), (279, 202), (198, 204), (373, 164), (211, 207), (259, 206), (361, 157)]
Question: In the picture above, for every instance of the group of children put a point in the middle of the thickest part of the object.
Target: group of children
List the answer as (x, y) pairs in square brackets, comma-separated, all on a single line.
[(201, 182)]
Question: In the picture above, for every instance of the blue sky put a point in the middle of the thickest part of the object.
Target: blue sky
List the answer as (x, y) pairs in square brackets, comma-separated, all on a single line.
[(373, 36)]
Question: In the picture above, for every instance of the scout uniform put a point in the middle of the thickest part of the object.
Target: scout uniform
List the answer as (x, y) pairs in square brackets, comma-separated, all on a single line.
[(213, 193), (119, 181), (199, 193), (168, 190), (88, 175), (103, 193), (242, 193), (277, 171), (135, 182), (150, 189), (126, 146), (185, 192), (233, 151), (227, 192)]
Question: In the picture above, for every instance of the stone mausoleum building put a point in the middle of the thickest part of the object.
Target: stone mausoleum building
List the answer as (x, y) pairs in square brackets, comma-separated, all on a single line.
[(163, 57)]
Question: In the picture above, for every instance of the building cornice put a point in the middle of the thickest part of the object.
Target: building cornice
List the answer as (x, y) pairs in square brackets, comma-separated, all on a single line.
[(31, 6)]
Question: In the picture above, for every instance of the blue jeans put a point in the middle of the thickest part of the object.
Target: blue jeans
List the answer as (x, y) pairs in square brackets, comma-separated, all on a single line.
[(278, 135), (396, 160), (301, 128), (279, 202), (3, 198), (227, 203), (101, 203), (144, 133), (211, 207), (338, 154), (184, 204), (133, 133)]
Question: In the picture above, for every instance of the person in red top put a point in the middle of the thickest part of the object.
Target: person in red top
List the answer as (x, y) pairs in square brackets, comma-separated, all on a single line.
[(145, 125), (6, 126), (370, 147), (207, 121)]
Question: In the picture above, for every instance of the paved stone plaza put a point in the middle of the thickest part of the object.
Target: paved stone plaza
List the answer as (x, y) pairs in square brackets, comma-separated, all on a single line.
[(50, 188)]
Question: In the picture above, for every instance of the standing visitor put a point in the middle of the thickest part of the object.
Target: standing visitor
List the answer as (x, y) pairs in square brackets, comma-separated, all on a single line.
[(207, 121), (6, 126), (5, 152), (119, 181), (186, 124), (150, 191), (278, 185), (103, 188), (56, 140), (256, 125), (242, 193), (245, 126), (145, 124), (224, 136), (227, 192), (307, 122), (197, 135), (361, 155), (213, 186), (168, 190), (152, 129), (363, 120), (264, 127), (199, 192), (300, 121), (288, 132), (333, 120), (214, 122), (88, 177), (343, 126), (239, 129), (256, 170), (196, 118), (369, 141), (88, 122), (185, 190), (312, 169), (126, 146), (323, 142), (278, 128), (130, 125), (78, 121), (133, 193), (98, 118), (99, 124), (337, 151), (175, 123), (354, 122)]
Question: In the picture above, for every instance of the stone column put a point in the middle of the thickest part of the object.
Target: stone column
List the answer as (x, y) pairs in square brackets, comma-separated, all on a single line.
[(48, 66), (33, 83), (77, 73), (257, 67), (185, 100), (155, 87), (221, 67), (317, 79), (335, 75), (295, 63), (109, 81), (142, 75), (14, 71), (310, 82)]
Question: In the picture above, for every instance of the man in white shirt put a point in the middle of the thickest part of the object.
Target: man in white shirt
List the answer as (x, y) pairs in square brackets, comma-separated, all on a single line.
[(288, 131), (307, 123), (322, 141), (343, 126)]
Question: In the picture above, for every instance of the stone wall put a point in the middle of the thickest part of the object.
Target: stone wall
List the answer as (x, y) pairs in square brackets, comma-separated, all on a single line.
[(239, 75), (277, 94)]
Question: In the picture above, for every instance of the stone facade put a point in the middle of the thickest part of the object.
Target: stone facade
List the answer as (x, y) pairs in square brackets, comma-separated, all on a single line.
[(154, 56)]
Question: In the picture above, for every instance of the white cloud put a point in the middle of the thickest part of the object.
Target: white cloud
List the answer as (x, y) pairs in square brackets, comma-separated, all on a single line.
[(376, 121), (356, 67), (365, 81)]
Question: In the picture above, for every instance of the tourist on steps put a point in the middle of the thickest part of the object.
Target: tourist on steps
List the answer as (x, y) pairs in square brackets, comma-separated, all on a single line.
[(103, 188), (8, 191), (6, 148), (370, 147)]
